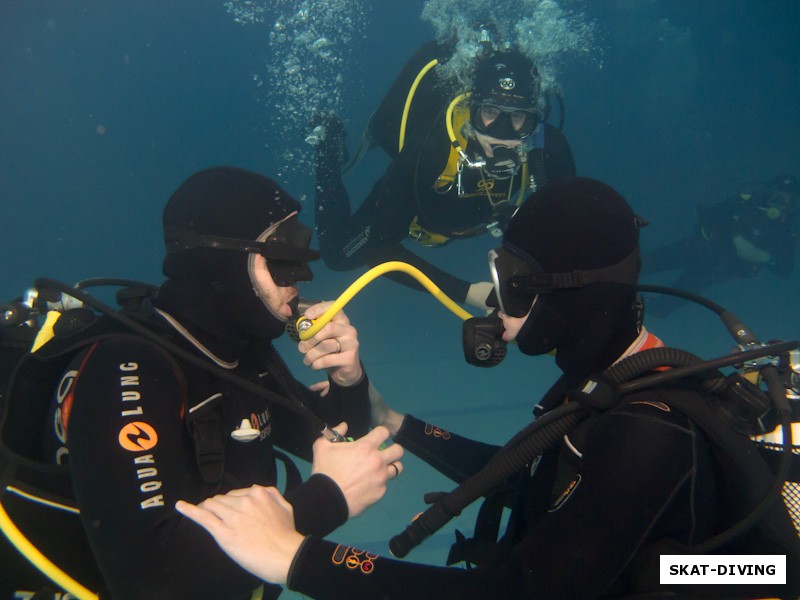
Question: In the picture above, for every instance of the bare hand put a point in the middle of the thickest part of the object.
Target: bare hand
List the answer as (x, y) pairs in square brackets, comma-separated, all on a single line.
[(254, 526), (334, 347), (360, 469), (382, 414)]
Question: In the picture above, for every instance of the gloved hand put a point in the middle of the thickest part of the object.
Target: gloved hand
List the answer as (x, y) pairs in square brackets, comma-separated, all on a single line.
[(478, 294)]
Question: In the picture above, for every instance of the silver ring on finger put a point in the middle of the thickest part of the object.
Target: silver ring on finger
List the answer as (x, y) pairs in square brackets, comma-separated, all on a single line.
[(338, 345)]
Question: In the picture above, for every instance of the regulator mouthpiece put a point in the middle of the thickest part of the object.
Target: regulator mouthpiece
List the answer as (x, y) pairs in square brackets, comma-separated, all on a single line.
[(482, 339)]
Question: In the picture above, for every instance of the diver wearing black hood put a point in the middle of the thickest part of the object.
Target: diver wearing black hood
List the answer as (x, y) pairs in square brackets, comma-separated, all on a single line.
[(589, 514), (589, 326), (461, 168), (141, 428)]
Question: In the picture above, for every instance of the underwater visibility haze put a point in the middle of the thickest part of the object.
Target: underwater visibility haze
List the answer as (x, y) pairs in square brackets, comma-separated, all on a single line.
[(105, 107)]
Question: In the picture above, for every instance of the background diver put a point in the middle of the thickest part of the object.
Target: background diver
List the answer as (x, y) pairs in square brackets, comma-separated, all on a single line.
[(733, 239), (590, 515), (460, 167)]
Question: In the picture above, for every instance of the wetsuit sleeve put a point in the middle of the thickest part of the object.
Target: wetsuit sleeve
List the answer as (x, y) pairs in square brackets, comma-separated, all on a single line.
[(131, 459), (454, 456), (636, 467), (349, 404), (558, 160), (292, 432)]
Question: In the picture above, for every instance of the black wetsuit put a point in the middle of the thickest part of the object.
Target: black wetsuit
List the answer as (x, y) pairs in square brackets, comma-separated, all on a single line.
[(132, 454), (375, 231), (709, 256), (579, 523)]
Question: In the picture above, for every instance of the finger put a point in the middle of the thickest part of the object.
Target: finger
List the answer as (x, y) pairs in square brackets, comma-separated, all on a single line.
[(338, 317), (323, 387), (316, 310), (275, 494), (326, 345), (239, 492), (341, 428), (377, 436), (394, 469), (336, 328), (392, 453), (222, 505), (206, 519)]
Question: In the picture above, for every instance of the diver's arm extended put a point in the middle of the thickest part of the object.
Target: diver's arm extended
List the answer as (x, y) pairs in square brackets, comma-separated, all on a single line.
[(452, 455)]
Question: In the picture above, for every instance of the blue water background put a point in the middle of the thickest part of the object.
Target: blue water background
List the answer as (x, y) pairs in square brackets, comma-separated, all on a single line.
[(105, 107)]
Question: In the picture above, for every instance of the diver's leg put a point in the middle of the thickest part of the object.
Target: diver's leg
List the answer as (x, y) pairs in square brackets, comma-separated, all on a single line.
[(675, 255), (334, 224)]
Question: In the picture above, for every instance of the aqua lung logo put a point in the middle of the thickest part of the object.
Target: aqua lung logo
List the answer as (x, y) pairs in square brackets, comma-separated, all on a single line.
[(137, 436), (262, 423)]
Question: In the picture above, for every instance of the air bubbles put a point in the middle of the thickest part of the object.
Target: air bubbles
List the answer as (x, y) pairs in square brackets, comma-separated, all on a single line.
[(309, 59), (542, 29)]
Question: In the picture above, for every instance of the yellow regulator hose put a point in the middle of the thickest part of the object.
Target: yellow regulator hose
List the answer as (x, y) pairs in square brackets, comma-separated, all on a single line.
[(306, 328), (409, 98), (40, 561)]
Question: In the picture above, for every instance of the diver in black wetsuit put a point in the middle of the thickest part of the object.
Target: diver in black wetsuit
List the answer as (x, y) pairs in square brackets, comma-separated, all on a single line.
[(587, 514), (455, 173), (734, 239), (140, 428)]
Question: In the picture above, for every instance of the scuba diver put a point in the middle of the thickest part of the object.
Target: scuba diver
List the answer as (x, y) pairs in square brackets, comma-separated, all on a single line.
[(591, 515), (461, 164), (140, 426), (736, 238)]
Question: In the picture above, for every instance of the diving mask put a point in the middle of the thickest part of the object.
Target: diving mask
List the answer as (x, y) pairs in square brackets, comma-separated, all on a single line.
[(285, 246), (503, 122), (512, 278), (518, 281)]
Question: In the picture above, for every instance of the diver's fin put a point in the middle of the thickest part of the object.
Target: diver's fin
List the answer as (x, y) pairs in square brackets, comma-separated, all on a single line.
[(365, 145)]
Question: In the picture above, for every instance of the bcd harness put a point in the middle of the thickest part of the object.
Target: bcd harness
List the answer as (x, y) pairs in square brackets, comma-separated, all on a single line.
[(727, 407), (33, 377), (457, 123), (531, 175)]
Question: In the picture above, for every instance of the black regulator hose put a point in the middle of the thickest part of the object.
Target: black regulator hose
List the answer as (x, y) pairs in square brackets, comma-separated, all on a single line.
[(777, 394), (548, 429), (295, 406), (543, 433)]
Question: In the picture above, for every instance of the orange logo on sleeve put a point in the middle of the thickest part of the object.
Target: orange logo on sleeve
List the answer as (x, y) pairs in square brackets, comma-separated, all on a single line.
[(137, 437), (354, 558)]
